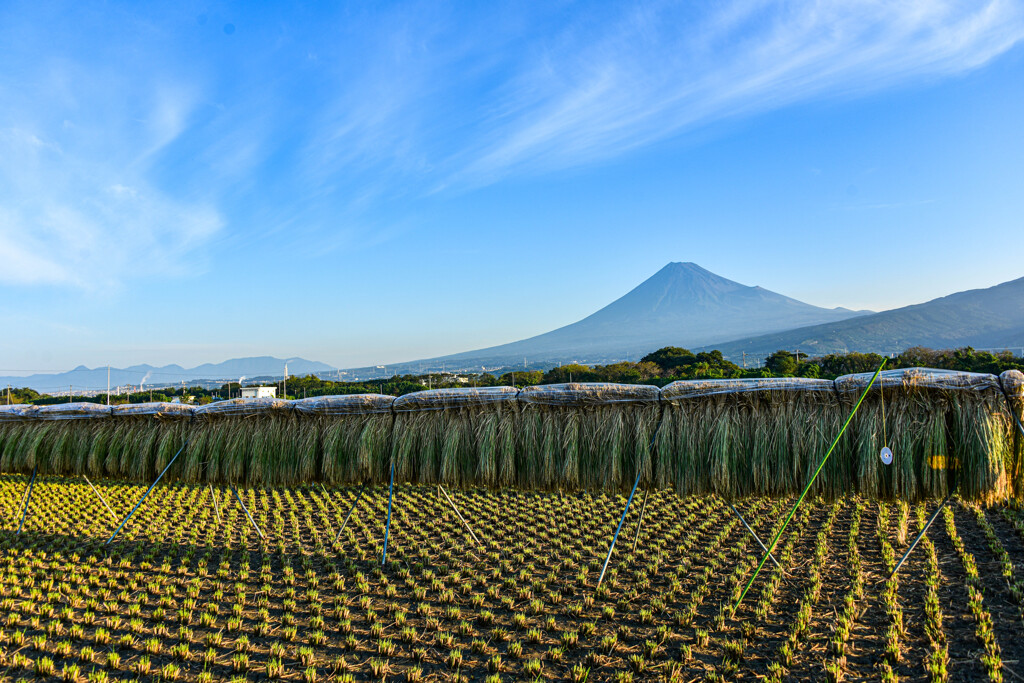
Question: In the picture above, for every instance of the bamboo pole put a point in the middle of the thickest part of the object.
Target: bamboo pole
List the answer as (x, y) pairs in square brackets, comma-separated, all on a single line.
[(456, 510), (639, 523), (100, 496), (756, 538), (251, 520), (216, 508), (351, 510)]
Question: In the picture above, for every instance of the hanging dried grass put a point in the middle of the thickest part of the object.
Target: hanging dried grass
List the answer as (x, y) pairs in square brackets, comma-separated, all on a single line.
[(1012, 383), (586, 436), (747, 437), (945, 429)]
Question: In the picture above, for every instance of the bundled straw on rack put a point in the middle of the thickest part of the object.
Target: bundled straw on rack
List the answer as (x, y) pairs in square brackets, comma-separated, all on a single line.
[(349, 437), (457, 437), (54, 438), (743, 437), (735, 438), (1012, 382), (253, 441), (586, 436), (16, 428), (939, 424)]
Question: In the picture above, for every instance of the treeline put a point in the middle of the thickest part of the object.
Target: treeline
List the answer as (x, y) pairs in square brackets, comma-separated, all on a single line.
[(658, 368)]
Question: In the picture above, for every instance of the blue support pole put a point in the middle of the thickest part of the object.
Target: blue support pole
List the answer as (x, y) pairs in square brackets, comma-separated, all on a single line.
[(387, 528), (616, 537), (28, 498), (150, 490)]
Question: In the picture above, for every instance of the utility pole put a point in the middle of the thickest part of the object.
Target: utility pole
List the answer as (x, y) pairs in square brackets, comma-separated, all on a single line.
[(108, 384), (285, 392), (70, 393), (744, 360)]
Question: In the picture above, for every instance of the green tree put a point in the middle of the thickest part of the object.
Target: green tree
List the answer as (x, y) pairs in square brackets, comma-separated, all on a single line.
[(781, 363)]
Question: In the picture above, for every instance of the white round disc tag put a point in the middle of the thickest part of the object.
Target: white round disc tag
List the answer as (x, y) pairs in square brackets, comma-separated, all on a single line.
[(886, 455)]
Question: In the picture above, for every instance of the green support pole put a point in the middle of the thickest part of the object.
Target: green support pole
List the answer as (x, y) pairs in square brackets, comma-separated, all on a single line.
[(771, 546)]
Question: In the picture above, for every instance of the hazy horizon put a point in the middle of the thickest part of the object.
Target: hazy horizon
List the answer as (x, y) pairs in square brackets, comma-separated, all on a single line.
[(365, 185)]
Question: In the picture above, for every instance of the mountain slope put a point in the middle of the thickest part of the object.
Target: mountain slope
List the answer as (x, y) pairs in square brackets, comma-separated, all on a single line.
[(982, 318), (681, 305), (83, 378)]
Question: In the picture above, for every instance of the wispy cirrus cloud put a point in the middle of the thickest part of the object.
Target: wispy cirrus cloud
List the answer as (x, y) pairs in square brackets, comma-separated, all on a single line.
[(655, 71), (83, 130), (128, 142)]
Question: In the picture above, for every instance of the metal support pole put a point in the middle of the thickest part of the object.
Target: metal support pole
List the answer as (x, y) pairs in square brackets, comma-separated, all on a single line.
[(640, 522), (464, 522), (611, 548), (919, 537), (100, 496), (28, 498), (216, 508), (251, 520), (351, 510), (150, 490), (751, 532), (387, 527)]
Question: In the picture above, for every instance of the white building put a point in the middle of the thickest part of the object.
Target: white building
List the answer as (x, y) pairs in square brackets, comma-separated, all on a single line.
[(259, 392)]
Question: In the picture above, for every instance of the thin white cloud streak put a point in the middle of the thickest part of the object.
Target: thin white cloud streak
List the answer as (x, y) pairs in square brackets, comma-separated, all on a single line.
[(78, 207), (79, 222), (658, 72)]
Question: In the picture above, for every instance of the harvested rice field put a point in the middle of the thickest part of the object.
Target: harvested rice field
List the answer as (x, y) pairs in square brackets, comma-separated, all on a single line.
[(189, 591)]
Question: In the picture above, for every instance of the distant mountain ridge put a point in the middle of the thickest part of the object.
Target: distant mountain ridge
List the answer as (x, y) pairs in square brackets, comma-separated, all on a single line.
[(93, 379), (982, 318), (680, 305)]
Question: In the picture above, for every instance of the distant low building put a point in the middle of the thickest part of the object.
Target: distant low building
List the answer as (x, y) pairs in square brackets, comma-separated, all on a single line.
[(259, 392)]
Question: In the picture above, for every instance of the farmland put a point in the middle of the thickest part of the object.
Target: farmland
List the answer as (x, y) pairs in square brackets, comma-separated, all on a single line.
[(189, 591)]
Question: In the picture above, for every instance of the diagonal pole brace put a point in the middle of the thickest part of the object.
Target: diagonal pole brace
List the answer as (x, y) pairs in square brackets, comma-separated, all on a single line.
[(654, 440), (640, 522), (754, 534), (625, 512), (456, 510), (148, 491), (28, 498), (216, 508), (387, 528), (251, 520), (351, 510), (100, 496), (920, 535)]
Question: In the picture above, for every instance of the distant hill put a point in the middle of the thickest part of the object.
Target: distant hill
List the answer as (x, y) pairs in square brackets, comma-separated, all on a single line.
[(982, 318), (680, 305), (230, 370)]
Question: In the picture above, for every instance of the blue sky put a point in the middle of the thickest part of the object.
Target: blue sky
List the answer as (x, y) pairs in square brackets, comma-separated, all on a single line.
[(371, 183)]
